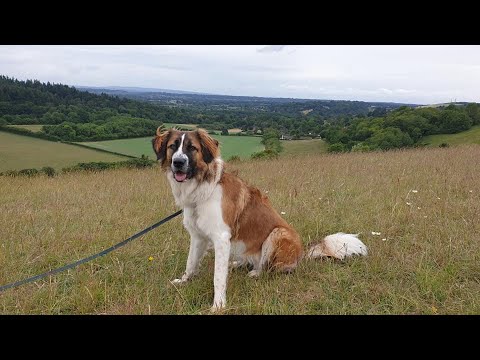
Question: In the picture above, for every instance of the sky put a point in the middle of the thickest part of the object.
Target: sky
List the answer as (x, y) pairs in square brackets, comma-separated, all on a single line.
[(389, 73)]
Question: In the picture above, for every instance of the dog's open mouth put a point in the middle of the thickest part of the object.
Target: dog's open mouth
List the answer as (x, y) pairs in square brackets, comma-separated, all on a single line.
[(180, 176)]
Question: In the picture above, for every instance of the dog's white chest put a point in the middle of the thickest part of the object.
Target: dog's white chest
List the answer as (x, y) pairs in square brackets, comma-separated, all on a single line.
[(206, 217)]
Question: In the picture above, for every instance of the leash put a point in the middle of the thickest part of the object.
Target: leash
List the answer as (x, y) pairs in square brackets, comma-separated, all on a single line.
[(89, 258)]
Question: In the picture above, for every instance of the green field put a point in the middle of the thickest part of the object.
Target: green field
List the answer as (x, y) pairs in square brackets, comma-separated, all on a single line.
[(242, 146), (471, 136), (303, 147), (23, 152), (34, 128)]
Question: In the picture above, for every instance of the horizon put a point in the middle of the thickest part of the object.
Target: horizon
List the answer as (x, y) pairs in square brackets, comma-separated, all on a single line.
[(192, 92), (407, 74)]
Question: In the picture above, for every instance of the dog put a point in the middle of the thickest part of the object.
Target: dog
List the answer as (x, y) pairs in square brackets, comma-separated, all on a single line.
[(221, 210)]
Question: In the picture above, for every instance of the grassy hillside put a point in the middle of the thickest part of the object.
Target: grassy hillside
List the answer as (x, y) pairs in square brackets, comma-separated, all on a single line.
[(242, 146), (471, 136), (425, 203), (21, 152), (304, 147)]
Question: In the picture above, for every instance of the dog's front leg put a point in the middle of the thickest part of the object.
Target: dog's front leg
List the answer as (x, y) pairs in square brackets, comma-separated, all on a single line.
[(221, 245), (198, 246)]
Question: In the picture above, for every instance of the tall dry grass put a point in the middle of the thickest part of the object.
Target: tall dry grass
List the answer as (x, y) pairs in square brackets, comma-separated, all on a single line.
[(425, 204)]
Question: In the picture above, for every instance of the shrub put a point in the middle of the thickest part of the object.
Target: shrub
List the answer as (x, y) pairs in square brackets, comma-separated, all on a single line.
[(444, 145), (28, 172), (234, 158), (49, 171), (265, 154), (337, 147)]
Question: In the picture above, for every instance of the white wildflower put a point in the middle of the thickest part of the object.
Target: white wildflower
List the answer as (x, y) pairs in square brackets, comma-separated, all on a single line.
[(283, 213), (376, 233), (384, 239), (414, 191), (409, 204), (418, 207)]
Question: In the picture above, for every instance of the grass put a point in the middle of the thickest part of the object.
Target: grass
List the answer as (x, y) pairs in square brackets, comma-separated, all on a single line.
[(471, 136), (304, 147), (21, 152), (242, 146), (34, 128), (426, 260)]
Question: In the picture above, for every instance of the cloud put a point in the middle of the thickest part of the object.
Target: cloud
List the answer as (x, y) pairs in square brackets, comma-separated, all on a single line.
[(413, 74), (271, 48)]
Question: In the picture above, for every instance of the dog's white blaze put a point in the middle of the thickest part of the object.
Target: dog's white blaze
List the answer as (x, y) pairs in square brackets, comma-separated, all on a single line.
[(179, 153)]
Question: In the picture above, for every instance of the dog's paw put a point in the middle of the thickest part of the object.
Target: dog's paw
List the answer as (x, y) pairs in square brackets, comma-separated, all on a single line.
[(183, 280), (217, 307), (254, 273), (178, 281), (236, 264)]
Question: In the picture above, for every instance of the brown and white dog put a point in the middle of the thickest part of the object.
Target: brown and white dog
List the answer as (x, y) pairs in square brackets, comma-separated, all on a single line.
[(220, 209)]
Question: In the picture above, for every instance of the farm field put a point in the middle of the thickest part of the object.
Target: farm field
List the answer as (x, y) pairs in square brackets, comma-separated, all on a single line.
[(471, 136), (417, 210), (242, 146), (21, 152)]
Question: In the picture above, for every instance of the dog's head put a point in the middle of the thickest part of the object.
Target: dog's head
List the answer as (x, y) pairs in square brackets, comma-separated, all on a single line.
[(186, 154)]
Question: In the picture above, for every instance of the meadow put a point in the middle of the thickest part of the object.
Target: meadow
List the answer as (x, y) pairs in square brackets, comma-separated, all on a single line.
[(471, 136), (22, 152), (422, 205), (242, 146), (302, 147)]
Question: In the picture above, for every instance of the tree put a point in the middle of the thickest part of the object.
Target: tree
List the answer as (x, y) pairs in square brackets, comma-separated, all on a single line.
[(473, 111), (224, 131), (389, 138), (453, 121)]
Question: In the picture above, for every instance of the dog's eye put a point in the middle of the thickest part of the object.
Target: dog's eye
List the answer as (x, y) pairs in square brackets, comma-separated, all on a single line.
[(191, 148), (173, 147)]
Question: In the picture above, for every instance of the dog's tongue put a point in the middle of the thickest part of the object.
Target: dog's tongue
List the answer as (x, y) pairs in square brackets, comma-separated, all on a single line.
[(179, 176)]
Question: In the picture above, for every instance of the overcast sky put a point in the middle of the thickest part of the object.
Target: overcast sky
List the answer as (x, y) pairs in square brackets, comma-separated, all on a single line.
[(412, 74)]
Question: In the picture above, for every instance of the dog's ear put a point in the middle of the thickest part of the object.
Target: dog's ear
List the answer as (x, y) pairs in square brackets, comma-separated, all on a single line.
[(159, 143), (209, 146)]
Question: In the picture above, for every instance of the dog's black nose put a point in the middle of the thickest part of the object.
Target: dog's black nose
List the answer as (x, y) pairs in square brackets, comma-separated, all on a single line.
[(179, 162)]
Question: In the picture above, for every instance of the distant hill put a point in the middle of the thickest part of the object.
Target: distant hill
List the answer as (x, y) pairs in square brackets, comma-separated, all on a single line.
[(131, 89), (457, 103), (215, 102)]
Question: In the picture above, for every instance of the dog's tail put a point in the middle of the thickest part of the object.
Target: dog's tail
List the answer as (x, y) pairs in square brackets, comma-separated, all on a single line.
[(339, 245)]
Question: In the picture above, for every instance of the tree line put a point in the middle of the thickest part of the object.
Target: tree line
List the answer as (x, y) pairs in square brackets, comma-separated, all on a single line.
[(34, 102), (402, 127)]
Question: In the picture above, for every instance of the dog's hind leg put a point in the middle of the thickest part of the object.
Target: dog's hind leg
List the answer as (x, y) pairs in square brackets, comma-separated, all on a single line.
[(265, 257), (281, 252)]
